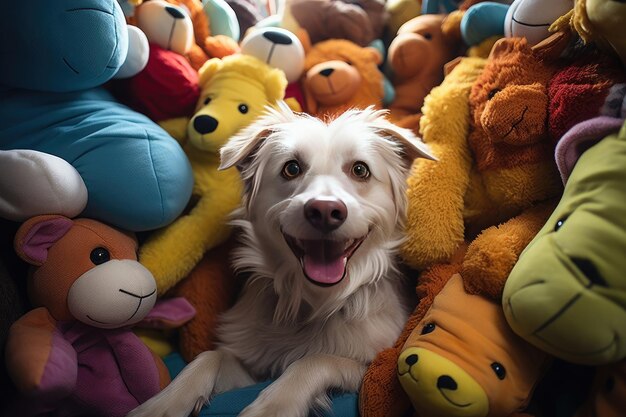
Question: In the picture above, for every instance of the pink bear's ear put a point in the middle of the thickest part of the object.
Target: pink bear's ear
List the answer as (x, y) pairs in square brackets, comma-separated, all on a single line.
[(37, 235)]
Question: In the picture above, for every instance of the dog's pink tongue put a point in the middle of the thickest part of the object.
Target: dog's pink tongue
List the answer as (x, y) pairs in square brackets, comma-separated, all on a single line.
[(324, 261)]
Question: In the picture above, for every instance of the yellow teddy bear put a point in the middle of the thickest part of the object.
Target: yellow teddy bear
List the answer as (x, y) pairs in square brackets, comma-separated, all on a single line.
[(235, 90)]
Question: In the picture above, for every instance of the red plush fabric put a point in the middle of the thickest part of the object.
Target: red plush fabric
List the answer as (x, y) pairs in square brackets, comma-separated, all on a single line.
[(168, 87)]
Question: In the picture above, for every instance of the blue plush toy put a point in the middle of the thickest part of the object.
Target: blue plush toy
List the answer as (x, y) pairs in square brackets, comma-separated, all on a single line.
[(55, 57)]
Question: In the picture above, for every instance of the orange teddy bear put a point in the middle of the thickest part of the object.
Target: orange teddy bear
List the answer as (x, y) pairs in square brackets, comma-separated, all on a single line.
[(339, 75)]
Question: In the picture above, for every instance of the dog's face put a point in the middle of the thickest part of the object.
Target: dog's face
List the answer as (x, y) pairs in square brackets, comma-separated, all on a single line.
[(326, 200)]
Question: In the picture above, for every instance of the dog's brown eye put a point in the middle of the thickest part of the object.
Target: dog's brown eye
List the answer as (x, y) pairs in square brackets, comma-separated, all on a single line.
[(291, 170), (360, 170)]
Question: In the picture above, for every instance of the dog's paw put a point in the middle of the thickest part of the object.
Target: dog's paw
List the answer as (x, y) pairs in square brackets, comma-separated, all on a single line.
[(273, 404), (165, 407)]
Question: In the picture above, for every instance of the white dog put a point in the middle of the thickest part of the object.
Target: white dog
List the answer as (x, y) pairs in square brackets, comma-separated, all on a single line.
[(322, 215)]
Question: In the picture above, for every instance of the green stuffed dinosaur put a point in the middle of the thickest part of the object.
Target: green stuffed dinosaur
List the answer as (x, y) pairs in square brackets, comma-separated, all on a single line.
[(567, 292)]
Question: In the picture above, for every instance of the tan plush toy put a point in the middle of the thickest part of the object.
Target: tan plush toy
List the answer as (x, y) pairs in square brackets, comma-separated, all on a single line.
[(339, 75)]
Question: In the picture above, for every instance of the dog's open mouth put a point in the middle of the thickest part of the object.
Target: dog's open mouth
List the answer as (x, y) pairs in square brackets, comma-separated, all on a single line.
[(324, 261)]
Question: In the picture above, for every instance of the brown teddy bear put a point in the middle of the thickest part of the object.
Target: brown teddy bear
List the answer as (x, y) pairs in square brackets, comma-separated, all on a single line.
[(339, 74), (495, 156), (417, 56)]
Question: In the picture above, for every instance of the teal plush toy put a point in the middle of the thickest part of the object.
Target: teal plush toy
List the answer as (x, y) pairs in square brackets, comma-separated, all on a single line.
[(567, 292), (56, 56)]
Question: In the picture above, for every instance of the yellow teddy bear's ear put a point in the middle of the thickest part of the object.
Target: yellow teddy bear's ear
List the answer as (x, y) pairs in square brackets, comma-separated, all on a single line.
[(208, 70)]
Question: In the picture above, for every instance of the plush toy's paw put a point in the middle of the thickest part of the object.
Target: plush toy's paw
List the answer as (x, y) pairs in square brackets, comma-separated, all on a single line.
[(488, 262), (220, 46), (34, 183)]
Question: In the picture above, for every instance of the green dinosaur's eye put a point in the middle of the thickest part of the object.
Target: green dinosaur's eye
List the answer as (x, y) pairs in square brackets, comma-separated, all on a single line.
[(559, 224)]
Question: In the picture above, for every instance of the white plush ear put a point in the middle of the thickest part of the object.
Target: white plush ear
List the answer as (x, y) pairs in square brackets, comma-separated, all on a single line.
[(241, 146), (34, 183)]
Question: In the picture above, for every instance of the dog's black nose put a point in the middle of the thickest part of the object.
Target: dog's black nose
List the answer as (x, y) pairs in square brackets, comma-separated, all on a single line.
[(205, 124), (326, 72), (277, 37), (325, 215), (446, 382), (174, 12)]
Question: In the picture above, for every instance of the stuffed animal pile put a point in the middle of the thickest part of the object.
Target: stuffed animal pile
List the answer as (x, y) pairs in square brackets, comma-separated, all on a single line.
[(112, 115)]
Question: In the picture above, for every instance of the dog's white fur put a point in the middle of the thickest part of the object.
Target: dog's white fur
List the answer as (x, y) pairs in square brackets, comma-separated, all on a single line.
[(311, 338)]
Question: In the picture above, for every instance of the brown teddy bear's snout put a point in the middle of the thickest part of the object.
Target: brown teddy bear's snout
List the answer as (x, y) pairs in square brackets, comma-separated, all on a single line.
[(332, 82)]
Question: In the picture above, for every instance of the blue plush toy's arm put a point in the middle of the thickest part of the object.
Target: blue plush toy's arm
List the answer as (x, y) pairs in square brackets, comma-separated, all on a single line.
[(482, 21), (40, 361)]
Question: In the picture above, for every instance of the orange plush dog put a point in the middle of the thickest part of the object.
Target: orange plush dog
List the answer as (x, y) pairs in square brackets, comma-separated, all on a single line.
[(448, 362), (340, 75)]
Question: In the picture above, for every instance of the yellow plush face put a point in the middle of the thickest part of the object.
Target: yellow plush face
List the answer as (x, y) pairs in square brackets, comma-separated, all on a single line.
[(229, 103)]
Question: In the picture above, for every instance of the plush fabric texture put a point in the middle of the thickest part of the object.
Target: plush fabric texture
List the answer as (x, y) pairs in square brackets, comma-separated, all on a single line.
[(576, 262), (417, 56), (53, 103), (584, 89), (464, 347), (360, 21), (580, 138), (381, 394), (608, 392), (210, 288), (510, 168), (152, 179), (172, 252), (436, 190), (82, 237), (247, 13), (168, 86), (79, 361), (353, 68)]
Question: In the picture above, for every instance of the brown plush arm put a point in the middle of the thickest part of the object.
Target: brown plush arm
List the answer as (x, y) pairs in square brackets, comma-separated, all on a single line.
[(492, 255), (210, 288)]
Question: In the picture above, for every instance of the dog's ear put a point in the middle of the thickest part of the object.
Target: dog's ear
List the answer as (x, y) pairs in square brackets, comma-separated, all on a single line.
[(244, 144), (412, 146)]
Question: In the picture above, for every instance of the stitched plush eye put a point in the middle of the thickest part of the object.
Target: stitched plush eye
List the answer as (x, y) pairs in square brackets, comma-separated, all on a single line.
[(291, 170), (493, 92), (429, 328), (499, 370), (99, 256), (207, 100), (559, 223), (360, 170), (243, 108)]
